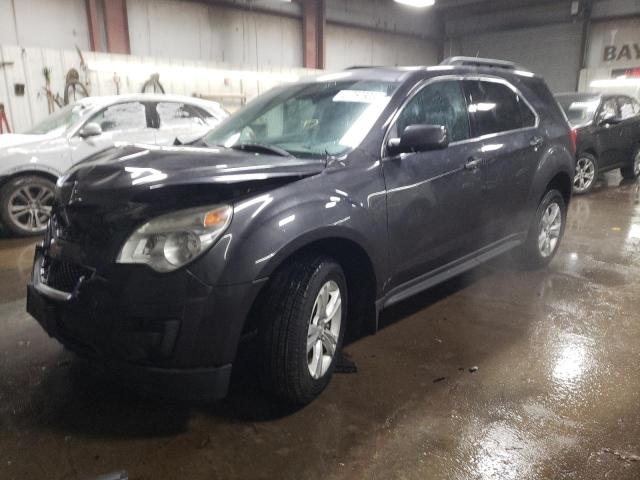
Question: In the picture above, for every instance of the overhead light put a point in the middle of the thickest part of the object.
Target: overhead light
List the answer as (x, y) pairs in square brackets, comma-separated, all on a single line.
[(417, 3)]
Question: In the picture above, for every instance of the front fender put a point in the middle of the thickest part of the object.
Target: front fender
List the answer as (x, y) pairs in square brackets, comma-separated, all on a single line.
[(268, 228)]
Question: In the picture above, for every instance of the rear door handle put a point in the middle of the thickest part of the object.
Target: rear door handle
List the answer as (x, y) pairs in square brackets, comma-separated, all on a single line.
[(536, 142), (473, 163)]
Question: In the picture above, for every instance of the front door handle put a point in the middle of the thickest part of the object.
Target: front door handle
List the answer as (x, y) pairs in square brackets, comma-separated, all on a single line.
[(473, 163)]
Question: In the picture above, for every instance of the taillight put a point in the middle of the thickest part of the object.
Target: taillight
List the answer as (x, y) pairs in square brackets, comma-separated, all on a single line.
[(573, 138)]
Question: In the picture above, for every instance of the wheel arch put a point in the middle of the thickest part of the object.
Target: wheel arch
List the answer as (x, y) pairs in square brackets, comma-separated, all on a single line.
[(563, 183), (359, 271), (27, 173)]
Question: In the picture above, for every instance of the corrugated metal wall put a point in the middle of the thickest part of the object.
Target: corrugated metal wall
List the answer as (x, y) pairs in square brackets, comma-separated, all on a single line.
[(195, 31), (353, 46), (552, 51), (54, 23)]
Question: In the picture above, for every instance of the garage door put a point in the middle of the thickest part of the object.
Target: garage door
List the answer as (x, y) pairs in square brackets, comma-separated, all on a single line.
[(552, 51)]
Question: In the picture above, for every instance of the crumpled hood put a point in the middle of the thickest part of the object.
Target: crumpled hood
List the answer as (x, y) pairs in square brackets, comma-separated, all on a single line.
[(139, 172)]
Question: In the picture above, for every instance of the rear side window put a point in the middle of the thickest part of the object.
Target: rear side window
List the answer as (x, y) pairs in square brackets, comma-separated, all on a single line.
[(439, 103), (495, 108), (174, 114)]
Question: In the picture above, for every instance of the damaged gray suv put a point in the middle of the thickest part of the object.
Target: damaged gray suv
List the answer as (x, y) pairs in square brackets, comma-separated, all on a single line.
[(299, 219)]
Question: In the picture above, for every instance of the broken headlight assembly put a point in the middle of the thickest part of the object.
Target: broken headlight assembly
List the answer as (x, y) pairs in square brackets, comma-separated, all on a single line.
[(170, 241)]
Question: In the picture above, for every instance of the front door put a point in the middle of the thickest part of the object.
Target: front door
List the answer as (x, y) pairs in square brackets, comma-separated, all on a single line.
[(433, 198), (609, 135), (122, 122)]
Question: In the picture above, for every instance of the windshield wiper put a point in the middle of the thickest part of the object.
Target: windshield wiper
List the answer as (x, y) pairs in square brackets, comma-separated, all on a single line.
[(261, 148)]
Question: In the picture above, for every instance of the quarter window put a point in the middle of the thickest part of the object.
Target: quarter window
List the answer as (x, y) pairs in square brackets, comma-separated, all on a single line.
[(439, 103), (495, 108)]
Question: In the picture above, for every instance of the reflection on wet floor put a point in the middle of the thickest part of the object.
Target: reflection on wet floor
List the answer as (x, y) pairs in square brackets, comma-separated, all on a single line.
[(556, 393)]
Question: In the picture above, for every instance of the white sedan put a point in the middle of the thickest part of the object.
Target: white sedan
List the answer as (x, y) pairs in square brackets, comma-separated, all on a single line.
[(30, 163)]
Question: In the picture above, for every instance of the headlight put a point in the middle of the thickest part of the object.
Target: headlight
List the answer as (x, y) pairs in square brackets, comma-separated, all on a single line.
[(173, 240)]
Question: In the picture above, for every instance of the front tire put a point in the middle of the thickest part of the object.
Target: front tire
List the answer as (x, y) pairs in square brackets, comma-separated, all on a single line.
[(303, 327), (585, 174), (632, 171), (545, 233), (25, 205)]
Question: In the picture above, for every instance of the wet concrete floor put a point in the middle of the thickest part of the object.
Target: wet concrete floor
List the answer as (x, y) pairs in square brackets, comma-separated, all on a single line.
[(556, 393)]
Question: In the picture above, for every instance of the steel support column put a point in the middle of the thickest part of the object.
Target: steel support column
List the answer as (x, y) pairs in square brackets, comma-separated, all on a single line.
[(116, 26), (94, 28), (313, 27)]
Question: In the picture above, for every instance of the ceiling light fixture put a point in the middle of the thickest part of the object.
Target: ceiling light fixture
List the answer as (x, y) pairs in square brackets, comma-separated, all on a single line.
[(417, 3)]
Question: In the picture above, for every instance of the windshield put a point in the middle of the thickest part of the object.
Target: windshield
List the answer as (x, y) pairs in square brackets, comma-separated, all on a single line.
[(307, 120), (60, 120), (579, 109)]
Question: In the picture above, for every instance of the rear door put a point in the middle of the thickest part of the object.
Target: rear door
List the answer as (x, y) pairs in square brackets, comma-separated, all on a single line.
[(511, 142), (434, 197), (126, 122)]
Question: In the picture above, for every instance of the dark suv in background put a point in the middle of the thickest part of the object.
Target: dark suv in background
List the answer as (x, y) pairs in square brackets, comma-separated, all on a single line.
[(608, 135), (298, 219)]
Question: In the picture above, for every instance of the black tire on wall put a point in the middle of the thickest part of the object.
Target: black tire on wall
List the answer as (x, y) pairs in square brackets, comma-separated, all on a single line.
[(25, 204), (288, 317)]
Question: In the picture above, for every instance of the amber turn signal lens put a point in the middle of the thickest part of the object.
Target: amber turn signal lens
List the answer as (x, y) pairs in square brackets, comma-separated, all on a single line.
[(214, 217)]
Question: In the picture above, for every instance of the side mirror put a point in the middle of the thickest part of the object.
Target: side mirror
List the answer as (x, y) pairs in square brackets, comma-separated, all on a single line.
[(91, 129), (609, 119), (419, 138)]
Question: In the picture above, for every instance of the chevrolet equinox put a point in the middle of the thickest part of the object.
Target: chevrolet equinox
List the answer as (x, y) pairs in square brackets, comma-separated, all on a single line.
[(298, 219)]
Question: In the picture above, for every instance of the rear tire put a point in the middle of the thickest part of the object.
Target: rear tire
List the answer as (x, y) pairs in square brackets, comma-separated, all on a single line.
[(299, 343), (545, 232), (585, 174), (632, 171), (25, 205)]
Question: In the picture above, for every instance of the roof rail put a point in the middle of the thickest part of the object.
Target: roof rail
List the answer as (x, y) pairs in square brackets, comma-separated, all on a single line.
[(358, 67), (481, 62)]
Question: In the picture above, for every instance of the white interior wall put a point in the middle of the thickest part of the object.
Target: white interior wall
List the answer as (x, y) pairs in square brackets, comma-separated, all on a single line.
[(196, 31), (356, 46), (51, 23), (202, 78)]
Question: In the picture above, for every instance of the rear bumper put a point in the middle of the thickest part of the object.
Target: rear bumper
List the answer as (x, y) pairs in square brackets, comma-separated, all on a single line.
[(171, 335)]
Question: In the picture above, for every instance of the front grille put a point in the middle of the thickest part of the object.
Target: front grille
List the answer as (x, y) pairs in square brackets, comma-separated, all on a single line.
[(63, 275)]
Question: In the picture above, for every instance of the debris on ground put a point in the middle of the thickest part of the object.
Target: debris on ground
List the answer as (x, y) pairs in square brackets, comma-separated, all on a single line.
[(624, 456), (473, 369), (439, 379), (205, 441), (344, 364)]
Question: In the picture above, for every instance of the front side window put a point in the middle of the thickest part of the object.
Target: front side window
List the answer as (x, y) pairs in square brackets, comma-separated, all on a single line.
[(175, 114), (439, 103), (122, 116), (309, 120), (626, 108), (496, 108), (609, 109)]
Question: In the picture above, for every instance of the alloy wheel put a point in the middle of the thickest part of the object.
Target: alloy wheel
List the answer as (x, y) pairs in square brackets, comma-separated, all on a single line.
[(324, 329), (30, 207), (550, 226), (585, 174)]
